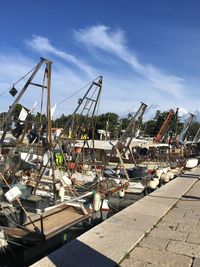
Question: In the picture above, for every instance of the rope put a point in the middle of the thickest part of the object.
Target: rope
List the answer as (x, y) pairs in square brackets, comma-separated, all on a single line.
[(76, 92), (18, 81)]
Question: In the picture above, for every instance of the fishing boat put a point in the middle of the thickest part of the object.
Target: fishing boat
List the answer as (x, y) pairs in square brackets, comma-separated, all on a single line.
[(26, 217)]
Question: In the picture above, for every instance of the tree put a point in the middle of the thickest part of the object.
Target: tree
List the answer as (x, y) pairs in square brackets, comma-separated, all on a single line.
[(108, 122), (193, 130)]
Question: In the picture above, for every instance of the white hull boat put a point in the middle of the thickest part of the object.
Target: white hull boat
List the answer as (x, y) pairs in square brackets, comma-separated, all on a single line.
[(191, 163)]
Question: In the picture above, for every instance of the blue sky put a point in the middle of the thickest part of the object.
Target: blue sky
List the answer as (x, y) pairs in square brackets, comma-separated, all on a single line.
[(146, 50)]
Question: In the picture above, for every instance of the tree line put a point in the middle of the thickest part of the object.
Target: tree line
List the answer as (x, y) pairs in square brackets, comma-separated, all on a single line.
[(111, 122)]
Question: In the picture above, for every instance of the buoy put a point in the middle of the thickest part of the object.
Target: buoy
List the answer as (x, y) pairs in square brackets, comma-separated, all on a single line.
[(13, 193), (3, 241), (96, 202), (165, 177), (171, 175), (153, 183), (46, 187), (122, 193), (165, 170), (61, 193), (65, 180), (191, 163), (159, 172)]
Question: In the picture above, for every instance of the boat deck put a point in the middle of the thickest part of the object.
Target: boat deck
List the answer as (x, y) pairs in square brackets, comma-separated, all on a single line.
[(49, 224), (57, 220)]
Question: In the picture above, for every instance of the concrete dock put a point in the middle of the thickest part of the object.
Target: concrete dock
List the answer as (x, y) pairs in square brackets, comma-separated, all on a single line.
[(162, 229)]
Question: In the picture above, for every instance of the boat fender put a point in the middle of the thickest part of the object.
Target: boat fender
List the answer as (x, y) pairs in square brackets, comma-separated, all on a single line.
[(165, 177), (96, 201), (122, 193), (171, 175), (46, 187), (159, 173), (153, 183), (165, 170), (65, 180), (13, 193), (3, 241), (61, 193)]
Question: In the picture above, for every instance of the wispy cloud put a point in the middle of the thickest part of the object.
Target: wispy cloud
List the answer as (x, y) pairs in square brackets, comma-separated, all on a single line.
[(43, 45), (114, 42)]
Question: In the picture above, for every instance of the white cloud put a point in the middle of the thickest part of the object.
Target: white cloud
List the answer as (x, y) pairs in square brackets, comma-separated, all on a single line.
[(182, 111), (43, 45), (114, 42)]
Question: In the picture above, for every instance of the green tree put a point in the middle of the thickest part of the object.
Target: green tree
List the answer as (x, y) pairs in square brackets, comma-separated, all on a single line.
[(193, 130)]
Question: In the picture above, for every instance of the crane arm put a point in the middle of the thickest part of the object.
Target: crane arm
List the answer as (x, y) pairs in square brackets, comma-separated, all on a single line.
[(163, 128)]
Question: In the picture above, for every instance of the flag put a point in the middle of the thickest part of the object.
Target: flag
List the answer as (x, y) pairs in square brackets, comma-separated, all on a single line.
[(53, 109), (23, 115)]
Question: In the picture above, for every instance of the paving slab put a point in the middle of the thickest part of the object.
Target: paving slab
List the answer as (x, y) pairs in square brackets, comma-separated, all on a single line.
[(154, 242), (175, 217), (161, 258), (184, 220), (176, 188), (167, 224), (189, 249), (154, 265), (189, 203), (169, 234), (194, 214), (196, 262), (133, 263), (188, 228), (194, 191), (176, 212), (194, 237)]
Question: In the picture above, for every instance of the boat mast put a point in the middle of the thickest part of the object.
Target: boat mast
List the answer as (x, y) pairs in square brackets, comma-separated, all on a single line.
[(8, 116), (123, 144), (186, 127)]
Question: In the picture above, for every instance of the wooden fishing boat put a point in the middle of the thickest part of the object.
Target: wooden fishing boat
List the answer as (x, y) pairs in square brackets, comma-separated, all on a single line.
[(25, 216)]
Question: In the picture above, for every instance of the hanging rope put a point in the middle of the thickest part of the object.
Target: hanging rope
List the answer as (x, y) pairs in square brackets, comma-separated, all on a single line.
[(18, 81)]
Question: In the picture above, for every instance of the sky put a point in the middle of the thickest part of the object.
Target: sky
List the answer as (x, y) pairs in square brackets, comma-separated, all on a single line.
[(145, 50)]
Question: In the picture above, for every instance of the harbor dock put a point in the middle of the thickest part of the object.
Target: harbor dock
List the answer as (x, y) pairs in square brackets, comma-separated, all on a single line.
[(162, 229)]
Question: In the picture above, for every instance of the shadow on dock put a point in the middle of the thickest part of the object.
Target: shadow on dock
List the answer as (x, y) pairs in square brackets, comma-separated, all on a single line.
[(76, 254)]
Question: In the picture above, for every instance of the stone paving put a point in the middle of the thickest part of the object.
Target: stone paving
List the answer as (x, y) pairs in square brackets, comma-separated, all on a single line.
[(175, 240)]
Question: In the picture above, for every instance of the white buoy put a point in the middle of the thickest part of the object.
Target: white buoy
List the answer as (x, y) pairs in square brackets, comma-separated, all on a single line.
[(165, 177), (153, 183), (65, 180), (96, 202), (191, 163), (171, 175), (13, 193), (61, 193), (159, 172), (122, 193), (165, 170), (3, 241), (46, 187)]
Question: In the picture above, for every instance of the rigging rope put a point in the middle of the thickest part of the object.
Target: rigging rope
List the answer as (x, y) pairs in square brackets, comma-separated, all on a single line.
[(76, 92), (18, 80)]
